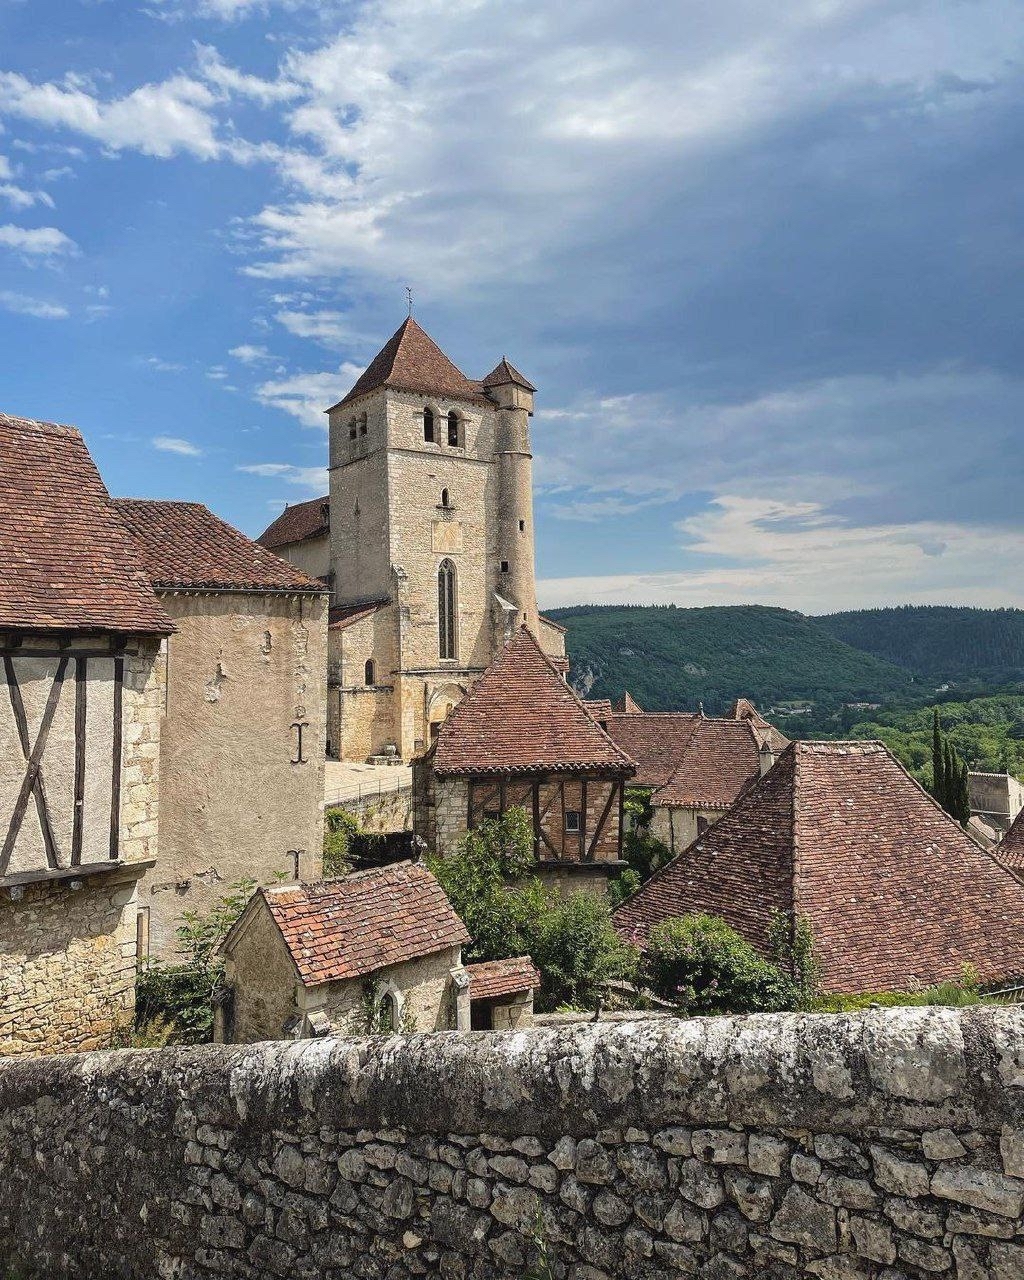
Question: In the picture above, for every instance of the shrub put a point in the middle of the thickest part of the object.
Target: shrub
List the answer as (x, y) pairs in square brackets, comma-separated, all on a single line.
[(577, 951), (703, 966), (791, 947), (957, 992), (340, 828)]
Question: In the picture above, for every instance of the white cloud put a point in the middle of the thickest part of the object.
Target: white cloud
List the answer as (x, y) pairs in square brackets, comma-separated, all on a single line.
[(22, 305), (16, 196), (794, 554), (231, 81), (157, 119), (41, 242), (306, 395), (313, 478), (249, 354), (174, 444), (332, 328), (161, 365)]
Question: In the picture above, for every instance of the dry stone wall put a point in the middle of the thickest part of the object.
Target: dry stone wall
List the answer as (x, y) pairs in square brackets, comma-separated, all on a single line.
[(881, 1145)]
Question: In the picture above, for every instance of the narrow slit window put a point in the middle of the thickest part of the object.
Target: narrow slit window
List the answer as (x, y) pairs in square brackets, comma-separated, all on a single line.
[(504, 566), (453, 428), (446, 609), (352, 429), (362, 425), (444, 498), (369, 672), (522, 526), (428, 425)]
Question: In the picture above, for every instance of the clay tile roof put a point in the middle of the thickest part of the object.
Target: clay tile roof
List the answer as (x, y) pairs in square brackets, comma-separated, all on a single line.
[(339, 929), (345, 615), (1010, 850), (412, 361), (655, 740), (66, 562), (184, 546), (555, 626), (720, 760), (896, 894), (521, 717), (598, 708), (744, 709), (503, 373), (297, 523), (627, 705), (493, 978)]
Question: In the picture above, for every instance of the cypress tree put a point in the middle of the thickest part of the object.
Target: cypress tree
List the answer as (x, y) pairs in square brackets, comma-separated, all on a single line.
[(938, 763), (964, 796), (949, 778)]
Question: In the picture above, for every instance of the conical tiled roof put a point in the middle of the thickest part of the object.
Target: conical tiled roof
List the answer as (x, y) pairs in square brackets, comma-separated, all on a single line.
[(521, 717), (897, 895), (412, 361), (503, 373)]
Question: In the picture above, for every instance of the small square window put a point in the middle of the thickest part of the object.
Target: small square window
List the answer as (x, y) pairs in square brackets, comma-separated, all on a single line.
[(572, 820), (504, 566), (491, 815)]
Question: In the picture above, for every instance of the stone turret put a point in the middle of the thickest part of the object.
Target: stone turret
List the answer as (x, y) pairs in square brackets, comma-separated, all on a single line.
[(513, 396)]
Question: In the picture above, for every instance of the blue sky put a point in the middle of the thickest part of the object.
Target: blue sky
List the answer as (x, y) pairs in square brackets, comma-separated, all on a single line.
[(764, 263)]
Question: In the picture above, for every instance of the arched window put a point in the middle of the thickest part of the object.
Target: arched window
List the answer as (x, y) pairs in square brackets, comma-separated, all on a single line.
[(428, 425), (444, 498), (386, 1019), (453, 428), (369, 673), (446, 609)]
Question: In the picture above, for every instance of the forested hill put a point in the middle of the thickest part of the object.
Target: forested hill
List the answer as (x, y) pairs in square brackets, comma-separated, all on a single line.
[(671, 658), (936, 641)]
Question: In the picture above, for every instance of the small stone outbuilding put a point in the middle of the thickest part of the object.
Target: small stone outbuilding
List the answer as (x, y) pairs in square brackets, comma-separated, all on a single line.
[(521, 737), (379, 950), (897, 895), (501, 993)]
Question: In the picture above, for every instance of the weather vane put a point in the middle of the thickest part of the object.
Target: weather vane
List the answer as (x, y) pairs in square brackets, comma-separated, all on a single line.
[(408, 294)]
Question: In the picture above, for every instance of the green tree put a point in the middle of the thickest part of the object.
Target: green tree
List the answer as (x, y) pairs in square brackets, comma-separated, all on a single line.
[(340, 828), (703, 966), (791, 946), (577, 951), (938, 761)]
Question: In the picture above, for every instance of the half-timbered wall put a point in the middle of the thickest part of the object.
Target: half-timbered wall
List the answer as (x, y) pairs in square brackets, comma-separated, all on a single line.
[(445, 808), (79, 779)]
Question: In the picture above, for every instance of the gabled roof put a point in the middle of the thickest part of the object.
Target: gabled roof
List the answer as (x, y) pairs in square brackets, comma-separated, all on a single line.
[(897, 895), (744, 709), (627, 705), (297, 523), (184, 546), (340, 929), (66, 562), (342, 616), (503, 373), (1009, 852), (521, 717), (492, 978), (655, 740), (717, 764), (412, 361)]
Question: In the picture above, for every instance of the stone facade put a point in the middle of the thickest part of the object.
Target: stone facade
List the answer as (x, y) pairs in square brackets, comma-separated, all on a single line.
[(996, 798), (887, 1145), (68, 932), (401, 506), (237, 802), (679, 827)]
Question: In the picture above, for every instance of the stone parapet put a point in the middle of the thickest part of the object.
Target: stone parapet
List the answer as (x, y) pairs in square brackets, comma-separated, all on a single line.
[(879, 1145)]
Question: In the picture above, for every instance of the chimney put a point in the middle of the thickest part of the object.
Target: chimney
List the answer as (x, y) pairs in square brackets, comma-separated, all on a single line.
[(767, 756)]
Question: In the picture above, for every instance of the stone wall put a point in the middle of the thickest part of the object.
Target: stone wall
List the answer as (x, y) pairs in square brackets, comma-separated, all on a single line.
[(242, 670), (882, 1145)]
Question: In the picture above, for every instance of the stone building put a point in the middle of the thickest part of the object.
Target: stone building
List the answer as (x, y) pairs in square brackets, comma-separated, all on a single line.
[(430, 520), (694, 766), (896, 894), (521, 737), (996, 799), (501, 993), (378, 950), (301, 534), (1009, 852), (81, 639), (242, 748)]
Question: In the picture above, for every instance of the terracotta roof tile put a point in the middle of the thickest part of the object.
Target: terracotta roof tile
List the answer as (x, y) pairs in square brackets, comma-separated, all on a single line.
[(896, 893), (185, 546), (339, 929), (297, 523), (656, 741), (1010, 850), (521, 717), (66, 562), (493, 978), (744, 709), (345, 615), (412, 361), (504, 373), (718, 763)]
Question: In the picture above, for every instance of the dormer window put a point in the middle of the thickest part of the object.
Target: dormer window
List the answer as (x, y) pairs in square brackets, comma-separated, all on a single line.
[(453, 429), (428, 425)]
